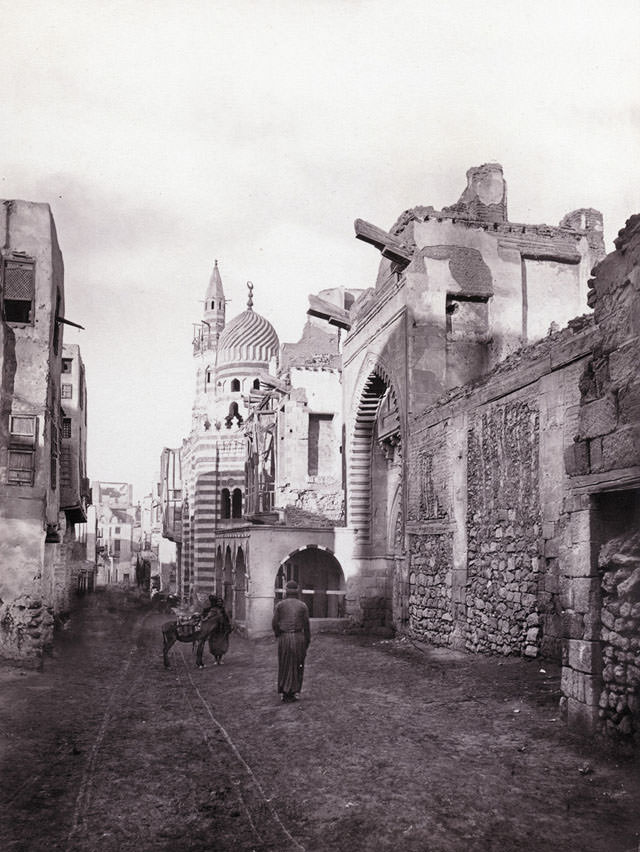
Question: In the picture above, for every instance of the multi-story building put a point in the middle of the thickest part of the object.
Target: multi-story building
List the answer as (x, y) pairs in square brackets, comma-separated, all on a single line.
[(75, 491), (170, 498), (35, 578), (115, 524)]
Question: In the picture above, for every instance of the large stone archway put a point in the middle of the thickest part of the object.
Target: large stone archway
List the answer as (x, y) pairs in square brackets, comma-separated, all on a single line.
[(376, 440), (320, 577), (376, 498)]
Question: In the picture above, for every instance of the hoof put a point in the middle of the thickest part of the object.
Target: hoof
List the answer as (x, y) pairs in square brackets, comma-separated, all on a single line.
[(200, 666)]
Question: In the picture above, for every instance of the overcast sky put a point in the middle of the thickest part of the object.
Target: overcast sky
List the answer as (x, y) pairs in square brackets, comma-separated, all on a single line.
[(168, 133)]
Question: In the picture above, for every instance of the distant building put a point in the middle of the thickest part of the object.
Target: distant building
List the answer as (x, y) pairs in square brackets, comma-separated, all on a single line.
[(261, 476), (116, 520), (75, 492), (170, 498), (152, 546), (37, 575)]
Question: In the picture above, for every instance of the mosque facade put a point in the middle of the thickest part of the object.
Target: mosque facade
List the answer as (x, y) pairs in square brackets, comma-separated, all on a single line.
[(254, 496)]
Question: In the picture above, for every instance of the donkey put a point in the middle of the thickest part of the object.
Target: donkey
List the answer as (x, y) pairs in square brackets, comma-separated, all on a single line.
[(207, 627)]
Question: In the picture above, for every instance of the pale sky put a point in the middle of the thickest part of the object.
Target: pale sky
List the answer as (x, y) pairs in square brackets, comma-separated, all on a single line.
[(167, 133)]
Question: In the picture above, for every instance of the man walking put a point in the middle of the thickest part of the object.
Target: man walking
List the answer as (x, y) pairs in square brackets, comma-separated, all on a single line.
[(291, 627)]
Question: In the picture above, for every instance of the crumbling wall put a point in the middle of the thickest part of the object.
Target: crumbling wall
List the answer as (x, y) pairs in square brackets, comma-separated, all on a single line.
[(603, 462), (608, 436)]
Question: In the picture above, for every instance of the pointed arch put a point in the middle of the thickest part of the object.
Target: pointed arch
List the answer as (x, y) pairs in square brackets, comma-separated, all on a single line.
[(225, 504), (228, 581), (218, 572), (376, 387), (236, 503), (240, 586)]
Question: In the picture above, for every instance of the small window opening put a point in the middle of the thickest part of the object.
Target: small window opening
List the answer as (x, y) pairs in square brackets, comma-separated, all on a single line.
[(235, 385), (19, 291), (225, 503), (236, 503)]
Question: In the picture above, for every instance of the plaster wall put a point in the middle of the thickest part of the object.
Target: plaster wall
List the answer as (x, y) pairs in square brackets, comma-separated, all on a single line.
[(29, 585), (555, 293)]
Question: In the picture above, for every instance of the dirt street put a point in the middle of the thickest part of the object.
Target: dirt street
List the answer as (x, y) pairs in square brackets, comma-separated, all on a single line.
[(391, 747)]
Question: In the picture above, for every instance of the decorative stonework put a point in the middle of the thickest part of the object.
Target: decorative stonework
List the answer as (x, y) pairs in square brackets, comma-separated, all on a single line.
[(503, 528)]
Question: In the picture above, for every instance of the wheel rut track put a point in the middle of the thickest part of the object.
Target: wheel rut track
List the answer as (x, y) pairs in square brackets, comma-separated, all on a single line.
[(231, 803)]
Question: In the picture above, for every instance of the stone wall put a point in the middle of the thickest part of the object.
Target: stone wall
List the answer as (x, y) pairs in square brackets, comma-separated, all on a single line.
[(489, 508), (430, 608), (620, 695), (503, 513), (600, 663)]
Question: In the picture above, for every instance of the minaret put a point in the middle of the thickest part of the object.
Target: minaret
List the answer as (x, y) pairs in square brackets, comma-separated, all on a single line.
[(214, 303)]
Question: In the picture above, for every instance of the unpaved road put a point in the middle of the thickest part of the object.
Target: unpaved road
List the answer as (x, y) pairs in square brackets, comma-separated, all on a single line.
[(392, 747)]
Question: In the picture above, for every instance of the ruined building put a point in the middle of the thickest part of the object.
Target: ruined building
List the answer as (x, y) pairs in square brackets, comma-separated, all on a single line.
[(493, 448), (43, 488), (478, 486)]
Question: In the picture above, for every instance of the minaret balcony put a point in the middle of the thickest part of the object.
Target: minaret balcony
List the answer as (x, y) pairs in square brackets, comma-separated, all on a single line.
[(204, 342)]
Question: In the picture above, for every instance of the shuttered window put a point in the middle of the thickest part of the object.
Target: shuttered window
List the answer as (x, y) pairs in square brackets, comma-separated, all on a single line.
[(18, 291)]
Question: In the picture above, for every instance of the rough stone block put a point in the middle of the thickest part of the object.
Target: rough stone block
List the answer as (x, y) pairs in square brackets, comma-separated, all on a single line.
[(629, 403), (576, 458), (580, 686), (584, 591), (577, 562), (580, 524), (551, 548), (572, 624), (582, 718), (595, 455), (598, 418), (582, 655), (623, 366), (622, 448)]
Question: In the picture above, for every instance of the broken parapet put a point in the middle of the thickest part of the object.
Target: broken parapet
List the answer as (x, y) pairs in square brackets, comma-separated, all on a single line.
[(485, 198), (608, 436)]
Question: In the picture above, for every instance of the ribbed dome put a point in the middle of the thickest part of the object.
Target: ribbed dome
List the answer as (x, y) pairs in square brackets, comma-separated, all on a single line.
[(248, 337)]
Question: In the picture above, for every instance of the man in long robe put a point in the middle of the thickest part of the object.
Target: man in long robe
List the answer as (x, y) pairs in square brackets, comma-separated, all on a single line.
[(291, 627)]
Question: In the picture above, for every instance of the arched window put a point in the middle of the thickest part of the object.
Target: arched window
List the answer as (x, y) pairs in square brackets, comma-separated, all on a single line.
[(235, 385), (236, 503), (256, 384), (225, 503), (213, 304)]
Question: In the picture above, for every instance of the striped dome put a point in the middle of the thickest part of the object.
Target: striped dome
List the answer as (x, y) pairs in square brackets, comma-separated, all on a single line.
[(248, 337)]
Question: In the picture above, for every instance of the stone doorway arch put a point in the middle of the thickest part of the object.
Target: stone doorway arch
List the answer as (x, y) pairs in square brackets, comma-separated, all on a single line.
[(320, 577)]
